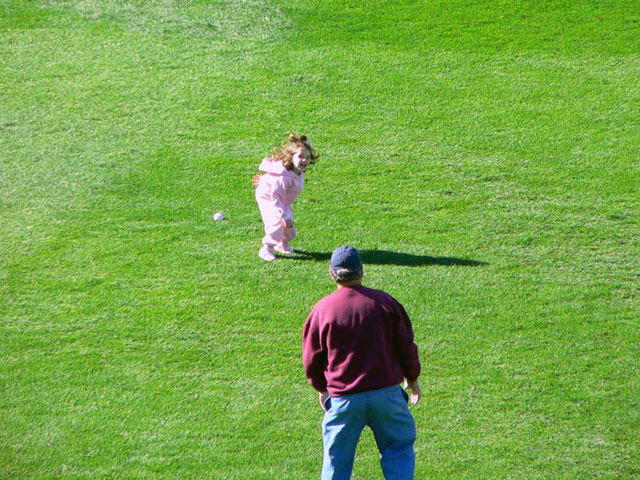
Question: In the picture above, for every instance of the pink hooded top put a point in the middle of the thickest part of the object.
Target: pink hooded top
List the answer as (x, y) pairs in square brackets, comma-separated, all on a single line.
[(278, 188)]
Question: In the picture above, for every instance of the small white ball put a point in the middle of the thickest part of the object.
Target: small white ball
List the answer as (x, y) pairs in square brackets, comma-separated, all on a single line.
[(218, 216)]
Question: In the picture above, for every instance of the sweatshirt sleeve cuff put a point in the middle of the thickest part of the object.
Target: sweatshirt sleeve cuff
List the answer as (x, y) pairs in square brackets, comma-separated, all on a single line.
[(320, 387)]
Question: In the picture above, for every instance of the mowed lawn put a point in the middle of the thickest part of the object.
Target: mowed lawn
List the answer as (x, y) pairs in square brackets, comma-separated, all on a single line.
[(483, 156)]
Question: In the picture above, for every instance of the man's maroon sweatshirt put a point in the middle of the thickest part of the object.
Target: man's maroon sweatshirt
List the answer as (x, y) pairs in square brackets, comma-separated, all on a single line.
[(358, 339)]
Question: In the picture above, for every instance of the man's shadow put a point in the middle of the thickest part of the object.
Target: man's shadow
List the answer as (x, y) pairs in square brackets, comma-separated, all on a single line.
[(385, 257)]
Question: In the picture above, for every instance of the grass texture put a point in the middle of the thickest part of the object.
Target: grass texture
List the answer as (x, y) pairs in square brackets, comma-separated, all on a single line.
[(483, 156)]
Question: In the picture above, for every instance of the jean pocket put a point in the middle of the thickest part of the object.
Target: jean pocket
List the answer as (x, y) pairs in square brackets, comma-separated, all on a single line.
[(405, 395), (327, 404), (392, 395)]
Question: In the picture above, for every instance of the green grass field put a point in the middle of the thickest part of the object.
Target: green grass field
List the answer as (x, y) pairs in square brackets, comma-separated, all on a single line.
[(483, 156)]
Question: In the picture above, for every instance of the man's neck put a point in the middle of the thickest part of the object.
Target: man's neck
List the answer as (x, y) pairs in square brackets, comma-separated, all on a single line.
[(351, 283)]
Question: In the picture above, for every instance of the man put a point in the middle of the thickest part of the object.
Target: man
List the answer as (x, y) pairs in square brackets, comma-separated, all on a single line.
[(357, 347)]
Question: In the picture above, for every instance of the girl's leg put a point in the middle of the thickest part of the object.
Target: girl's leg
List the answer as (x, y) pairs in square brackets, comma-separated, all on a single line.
[(283, 246), (273, 225), (289, 233)]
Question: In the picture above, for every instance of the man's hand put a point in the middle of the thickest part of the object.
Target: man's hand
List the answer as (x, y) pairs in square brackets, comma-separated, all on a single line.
[(416, 394), (322, 397), (256, 180)]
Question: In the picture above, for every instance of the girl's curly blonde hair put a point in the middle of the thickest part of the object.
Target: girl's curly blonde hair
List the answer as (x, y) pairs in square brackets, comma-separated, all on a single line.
[(286, 152)]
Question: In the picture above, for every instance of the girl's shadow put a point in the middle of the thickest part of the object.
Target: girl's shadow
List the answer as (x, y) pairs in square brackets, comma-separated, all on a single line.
[(384, 257)]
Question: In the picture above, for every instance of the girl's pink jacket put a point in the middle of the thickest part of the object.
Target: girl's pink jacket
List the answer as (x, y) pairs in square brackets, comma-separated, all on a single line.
[(277, 190)]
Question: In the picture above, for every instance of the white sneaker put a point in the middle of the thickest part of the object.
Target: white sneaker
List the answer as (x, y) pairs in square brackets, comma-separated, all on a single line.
[(284, 248), (266, 253)]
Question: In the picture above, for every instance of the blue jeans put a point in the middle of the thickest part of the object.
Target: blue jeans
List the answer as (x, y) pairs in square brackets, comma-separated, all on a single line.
[(386, 412)]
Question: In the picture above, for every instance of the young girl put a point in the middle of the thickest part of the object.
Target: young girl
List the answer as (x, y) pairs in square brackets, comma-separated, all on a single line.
[(277, 189)]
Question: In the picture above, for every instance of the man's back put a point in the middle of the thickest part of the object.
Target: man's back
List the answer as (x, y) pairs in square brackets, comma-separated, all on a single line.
[(358, 339)]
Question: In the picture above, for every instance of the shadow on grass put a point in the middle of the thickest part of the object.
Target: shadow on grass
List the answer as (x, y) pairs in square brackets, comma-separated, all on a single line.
[(384, 257)]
